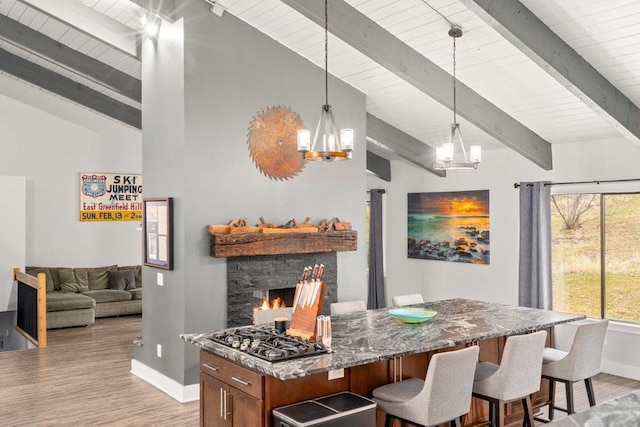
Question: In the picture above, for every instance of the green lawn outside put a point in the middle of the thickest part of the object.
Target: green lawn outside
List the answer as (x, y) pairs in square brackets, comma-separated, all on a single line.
[(576, 260)]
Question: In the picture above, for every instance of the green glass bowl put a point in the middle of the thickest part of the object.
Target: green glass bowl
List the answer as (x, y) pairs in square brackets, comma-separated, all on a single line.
[(412, 315)]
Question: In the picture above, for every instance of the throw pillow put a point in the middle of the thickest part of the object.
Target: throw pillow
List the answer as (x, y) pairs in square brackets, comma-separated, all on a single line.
[(72, 280), (82, 278), (137, 270), (123, 280)]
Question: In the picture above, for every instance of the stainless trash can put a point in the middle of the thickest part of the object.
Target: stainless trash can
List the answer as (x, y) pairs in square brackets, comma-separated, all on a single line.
[(337, 410)]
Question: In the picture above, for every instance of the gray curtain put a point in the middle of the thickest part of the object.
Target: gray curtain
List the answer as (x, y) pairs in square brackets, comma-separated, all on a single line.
[(377, 298), (534, 281)]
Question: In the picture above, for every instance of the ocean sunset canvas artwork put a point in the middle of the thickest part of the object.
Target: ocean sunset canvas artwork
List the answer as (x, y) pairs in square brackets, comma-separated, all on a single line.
[(449, 226)]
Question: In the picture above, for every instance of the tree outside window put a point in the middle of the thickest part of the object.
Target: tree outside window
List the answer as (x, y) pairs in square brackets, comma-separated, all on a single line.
[(595, 259)]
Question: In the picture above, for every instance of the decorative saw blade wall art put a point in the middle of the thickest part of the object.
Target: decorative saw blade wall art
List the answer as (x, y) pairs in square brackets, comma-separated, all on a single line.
[(272, 142)]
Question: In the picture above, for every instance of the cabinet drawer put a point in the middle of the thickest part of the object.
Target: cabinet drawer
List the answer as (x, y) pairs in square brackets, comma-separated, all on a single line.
[(241, 378)]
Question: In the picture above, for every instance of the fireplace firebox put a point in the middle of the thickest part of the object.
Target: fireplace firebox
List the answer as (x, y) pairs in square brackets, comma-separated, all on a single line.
[(252, 278)]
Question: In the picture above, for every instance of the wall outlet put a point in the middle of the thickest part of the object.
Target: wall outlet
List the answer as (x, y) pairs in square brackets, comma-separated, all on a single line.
[(160, 279), (336, 373), (159, 350)]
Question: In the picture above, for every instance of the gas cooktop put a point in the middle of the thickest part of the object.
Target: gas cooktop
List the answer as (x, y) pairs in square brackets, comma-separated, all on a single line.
[(267, 344)]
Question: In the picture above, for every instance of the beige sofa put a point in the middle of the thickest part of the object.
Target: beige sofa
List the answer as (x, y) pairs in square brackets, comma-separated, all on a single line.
[(76, 296)]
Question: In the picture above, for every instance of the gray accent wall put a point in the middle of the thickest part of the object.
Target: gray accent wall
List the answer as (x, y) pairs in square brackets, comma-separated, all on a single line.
[(200, 94)]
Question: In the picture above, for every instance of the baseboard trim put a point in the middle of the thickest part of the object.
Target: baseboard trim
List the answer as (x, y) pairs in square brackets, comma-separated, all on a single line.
[(181, 393), (626, 371)]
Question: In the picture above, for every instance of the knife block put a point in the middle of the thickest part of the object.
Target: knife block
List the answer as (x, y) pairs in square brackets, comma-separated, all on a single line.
[(303, 319)]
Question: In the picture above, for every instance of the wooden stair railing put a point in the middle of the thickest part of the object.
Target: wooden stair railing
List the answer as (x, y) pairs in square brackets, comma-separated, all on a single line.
[(32, 307)]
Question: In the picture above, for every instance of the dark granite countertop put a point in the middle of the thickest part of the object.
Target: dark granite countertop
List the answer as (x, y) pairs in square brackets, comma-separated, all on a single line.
[(374, 335), (621, 412)]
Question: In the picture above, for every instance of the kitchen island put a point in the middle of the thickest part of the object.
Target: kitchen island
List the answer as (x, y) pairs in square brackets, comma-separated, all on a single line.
[(369, 349)]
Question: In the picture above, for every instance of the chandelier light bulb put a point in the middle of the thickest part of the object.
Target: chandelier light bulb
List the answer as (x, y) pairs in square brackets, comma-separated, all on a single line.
[(475, 154), (346, 137), (304, 140)]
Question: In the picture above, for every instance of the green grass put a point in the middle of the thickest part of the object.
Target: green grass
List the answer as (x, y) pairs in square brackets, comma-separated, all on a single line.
[(576, 261)]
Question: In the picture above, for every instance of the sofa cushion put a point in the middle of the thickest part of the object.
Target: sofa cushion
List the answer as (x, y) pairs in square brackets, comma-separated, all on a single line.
[(33, 271), (60, 301), (137, 270), (123, 280), (136, 294), (99, 277), (108, 295), (54, 276), (73, 279)]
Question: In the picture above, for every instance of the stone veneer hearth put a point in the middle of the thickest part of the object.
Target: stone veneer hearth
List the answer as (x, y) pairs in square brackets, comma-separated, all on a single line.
[(250, 273)]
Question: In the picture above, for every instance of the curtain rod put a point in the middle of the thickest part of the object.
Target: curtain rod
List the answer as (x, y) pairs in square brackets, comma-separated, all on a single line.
[(379, 190), (547, 184)]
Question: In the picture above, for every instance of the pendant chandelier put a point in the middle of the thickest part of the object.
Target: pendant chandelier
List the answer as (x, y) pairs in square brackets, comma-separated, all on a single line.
[(445, 153), (327, 144)]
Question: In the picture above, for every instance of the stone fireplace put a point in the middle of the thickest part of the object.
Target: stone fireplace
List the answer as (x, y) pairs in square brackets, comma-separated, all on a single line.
[(251, 278)]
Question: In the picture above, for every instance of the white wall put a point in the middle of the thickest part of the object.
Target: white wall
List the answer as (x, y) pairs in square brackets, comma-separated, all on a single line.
[(12, 238), (50, 141), (498, 282)]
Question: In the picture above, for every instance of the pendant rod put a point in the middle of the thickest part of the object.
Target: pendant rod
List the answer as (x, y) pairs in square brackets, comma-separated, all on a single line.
[(455, 120), (326, 52)]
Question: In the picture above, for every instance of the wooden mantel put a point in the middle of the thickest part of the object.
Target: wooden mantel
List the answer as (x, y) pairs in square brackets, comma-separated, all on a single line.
[(251, 244)]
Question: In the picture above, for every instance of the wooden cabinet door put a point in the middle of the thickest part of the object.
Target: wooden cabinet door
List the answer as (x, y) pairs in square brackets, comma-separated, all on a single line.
[(245, 410), (224, 406), (212, 393)]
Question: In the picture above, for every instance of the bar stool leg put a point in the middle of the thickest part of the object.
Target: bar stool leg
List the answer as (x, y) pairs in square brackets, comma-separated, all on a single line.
[(387, 421), (528, 412), (552, 397), (569, 392), (492, 414), (499, 420), (589, 385)]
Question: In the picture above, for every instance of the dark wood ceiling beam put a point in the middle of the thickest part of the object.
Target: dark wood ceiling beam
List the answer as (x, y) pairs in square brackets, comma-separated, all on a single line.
[(530, 35), (45, 47), (67, 88), (372, 40)]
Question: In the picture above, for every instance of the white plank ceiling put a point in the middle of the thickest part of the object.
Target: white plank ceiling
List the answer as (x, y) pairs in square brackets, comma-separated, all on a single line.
[(606, 33)]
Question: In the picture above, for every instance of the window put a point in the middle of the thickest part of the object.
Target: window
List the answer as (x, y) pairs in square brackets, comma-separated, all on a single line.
[(596, 254)]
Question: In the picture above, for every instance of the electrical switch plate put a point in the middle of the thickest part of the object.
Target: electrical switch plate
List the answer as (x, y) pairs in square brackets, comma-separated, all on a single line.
[(160, 279), (159, 350), (336, 373)]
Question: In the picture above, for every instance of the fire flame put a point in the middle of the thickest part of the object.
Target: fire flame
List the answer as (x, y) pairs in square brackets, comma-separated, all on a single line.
[(275, 303)]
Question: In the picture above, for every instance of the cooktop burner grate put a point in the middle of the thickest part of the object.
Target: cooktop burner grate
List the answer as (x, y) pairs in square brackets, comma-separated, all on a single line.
[(267, 344)]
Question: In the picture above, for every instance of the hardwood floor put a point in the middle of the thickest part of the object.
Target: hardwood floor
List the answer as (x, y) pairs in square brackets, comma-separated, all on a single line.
[(82, 378)]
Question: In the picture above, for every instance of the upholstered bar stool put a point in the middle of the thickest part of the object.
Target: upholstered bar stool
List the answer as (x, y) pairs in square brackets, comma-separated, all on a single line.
[(581, 363), (402, 300), (517, 376), (347, 307), (444, 395)]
